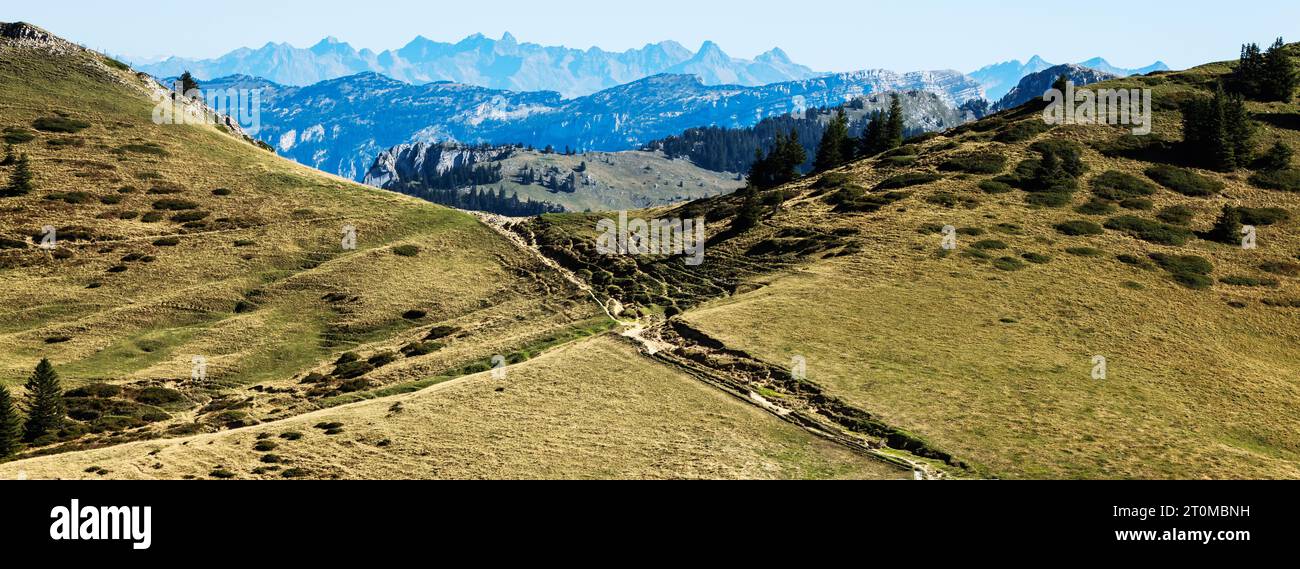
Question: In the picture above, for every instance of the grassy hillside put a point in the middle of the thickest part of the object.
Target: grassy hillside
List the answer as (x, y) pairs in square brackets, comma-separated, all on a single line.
[(183, 241), (540, 421), (986, 353)]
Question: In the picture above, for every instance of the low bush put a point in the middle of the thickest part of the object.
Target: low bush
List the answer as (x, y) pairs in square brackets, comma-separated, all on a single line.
[(1184, 181), (1076, 228), (1119, 186), (1282, 180), (167, 242), (171, 204), (414, 314), (406, 250), (60, 124), (1284, 268), (1037, 258), (908, 180), (1190, 271), (265, 446), (975, 163), (1263, 216), (1009, 264), (1085, 252), (995, 187), (1022, 131), (1149, 231), (1096, 207), (1251, 282), (1140, 204), (1177, 215)]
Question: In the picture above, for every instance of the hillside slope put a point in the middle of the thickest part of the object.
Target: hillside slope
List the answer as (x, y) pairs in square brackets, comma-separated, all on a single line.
[(987, 353), (200, 285)]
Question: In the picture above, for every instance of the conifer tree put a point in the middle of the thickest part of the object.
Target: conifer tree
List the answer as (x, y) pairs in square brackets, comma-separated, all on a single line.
[(1218, 131), (1278, 157), (1278, 74), (1227, 229), (830, 152), (11, 426), (894, 126), (20, 180), (45, 411), (9, 156), (188, 83), (873, 136)]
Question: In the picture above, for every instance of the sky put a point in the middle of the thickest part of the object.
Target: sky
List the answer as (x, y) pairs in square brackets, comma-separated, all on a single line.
[(829, 35)]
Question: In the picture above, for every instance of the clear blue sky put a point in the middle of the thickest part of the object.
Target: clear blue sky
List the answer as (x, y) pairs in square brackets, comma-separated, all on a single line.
[(832, 35)]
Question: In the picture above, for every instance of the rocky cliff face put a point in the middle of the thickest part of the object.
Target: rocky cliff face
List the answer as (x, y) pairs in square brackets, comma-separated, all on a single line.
[(340, 126), (1033, 86), (422, 162)]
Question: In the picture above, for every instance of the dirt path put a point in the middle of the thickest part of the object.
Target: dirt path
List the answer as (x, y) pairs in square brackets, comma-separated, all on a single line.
[(716, 365)]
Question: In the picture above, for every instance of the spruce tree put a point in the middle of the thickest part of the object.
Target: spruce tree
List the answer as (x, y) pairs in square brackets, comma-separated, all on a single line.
[(1218, 131), (45, 411), (9, 156), (11, 426), (894, 126), (1247, 78), (20, 180), (1227, 229), (1278, 157), (873, 136), (830, 152), (1278, 77)]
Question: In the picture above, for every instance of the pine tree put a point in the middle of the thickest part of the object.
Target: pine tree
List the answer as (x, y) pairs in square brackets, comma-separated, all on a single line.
[(1247, 78), (11, 426), (1218, 131), (830, 152), (1278, 75), (20, 180), (45, 411), (751, 211), (1278, 157), (9, 156), (1227, 229), (873, 136), (894, 126)]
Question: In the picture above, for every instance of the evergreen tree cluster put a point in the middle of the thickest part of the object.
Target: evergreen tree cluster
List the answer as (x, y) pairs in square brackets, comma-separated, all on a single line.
[(885, 131), (46, 411), (487, 200), (1265, 76), (1217, 131), (780, 165), (734, 149)]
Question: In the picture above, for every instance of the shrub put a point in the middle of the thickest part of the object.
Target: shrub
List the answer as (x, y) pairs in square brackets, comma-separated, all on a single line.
[(1190, 271), (13, 135), (1136, 261), (1009, 264), (271, 459), (1036, 258), (1282, 180), (111, 199), (1284, 268), (382, 359), (151, 217), (221, 192), (159, 396), (1085, 252), (1141, 204), (1176, 214), (1184, 181), (1149, 231), (327, 426), (265, 446), (171, 204), (1096, 207), (244, 307), (1227, 228), (117, 269), (95, 390), (222, 474), (167, 242), (352, 370), (1251, 282), (907, 180), (414, 314), (1263, 216), (291, 435), (1075, 228), (415, 349), (295, 473), (995, 187), (1022, 131), (975, 163), (990, 244), (347, 357), (406, 250), (441, 332), (60, 124), (1118, 186)]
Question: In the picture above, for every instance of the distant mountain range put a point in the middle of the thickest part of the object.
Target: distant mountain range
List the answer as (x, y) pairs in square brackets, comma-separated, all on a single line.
[(341, 125), (503, 64), (1000, 78)]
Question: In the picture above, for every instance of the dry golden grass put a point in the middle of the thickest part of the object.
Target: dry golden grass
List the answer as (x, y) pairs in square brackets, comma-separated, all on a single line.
[(996, 366), (595, 409)]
